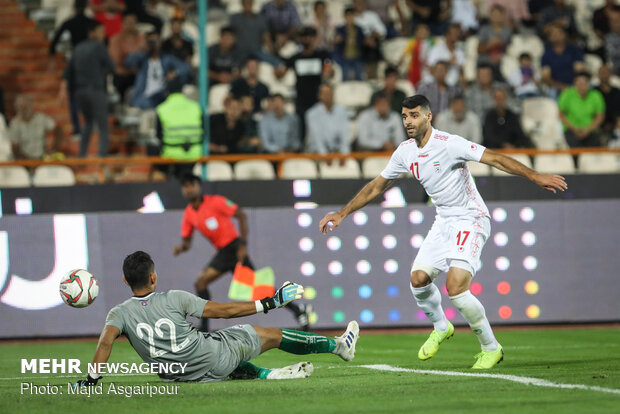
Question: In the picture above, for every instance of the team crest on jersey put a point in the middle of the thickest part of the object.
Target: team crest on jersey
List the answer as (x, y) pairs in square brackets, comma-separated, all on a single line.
[(144, 303), (211, 223), (436, 165)]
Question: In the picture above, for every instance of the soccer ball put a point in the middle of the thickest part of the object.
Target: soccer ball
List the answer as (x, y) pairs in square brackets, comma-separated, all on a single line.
[(79, 288)]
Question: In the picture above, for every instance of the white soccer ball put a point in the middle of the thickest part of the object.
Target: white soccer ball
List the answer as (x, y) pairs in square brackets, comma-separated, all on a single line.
[(79, 288)]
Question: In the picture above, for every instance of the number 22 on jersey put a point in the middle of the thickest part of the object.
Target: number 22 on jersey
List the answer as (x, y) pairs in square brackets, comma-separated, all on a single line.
[(415, 169), (144, 327)]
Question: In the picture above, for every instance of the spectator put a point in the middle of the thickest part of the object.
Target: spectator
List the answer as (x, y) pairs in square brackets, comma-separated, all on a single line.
[(177, 45), (154, 69), (225, 58), (494, 38), (390, 89), (378, 127), (323, 24), (418, 49), (122, 44), (137, 7), (110, 14), (27, 130), (560, 61), (614, 141), (612, 42), (227, 128), (311, 66), (77, 26), (282, 18), (502, 127), (179, 129), (88, 69), (479, 96), (328, 125), (348, 47), (524, 80), (250, 142), (382, 8), (611, 95), (459, 121), (438, 92), (451, 51), (434, 13), (249, 85), (600, 18), (464, 14), (558, 14), (6, 152), (279, 130), (516, 11), (252, 32), (582, 111), (374, 32)]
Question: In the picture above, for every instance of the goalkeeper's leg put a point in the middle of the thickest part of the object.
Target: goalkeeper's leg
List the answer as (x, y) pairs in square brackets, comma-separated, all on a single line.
[(247, 370)]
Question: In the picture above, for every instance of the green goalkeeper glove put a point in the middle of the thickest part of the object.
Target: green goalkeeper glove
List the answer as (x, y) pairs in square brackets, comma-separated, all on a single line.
[(286, 294)]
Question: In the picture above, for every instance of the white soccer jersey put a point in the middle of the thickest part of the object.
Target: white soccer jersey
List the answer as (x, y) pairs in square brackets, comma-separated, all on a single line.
[(441, 168)]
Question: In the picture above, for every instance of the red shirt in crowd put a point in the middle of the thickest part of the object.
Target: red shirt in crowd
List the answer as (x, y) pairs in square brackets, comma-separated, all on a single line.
[(212, 219)]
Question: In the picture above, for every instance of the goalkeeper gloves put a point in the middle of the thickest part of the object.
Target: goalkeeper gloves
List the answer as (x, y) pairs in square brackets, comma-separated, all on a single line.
[(89, 381), (286, 294)]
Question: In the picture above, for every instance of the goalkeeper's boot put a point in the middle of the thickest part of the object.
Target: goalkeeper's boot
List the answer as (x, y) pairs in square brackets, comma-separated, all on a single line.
[(345, 344), (488, 359), (298, 370), (431, 346)]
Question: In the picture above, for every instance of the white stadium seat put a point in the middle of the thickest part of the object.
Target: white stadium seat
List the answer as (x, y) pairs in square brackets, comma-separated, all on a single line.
[(522, 158), (13, 177), (217, 95), (554, 164), (598, 163), (299, 168), (254, 170), (350, 169), (53, 176), (353, 94), (216, 171), (372, 166), (478, 169), (393, 49), (405, 86)]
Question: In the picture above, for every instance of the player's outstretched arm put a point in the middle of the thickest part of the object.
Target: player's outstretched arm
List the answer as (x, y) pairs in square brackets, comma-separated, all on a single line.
[(102, 353), (550, 182), (365, 196), (283, 296)]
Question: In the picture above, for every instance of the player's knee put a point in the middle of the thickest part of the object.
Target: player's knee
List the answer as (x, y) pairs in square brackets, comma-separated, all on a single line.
[(419, 279), (456, 287)]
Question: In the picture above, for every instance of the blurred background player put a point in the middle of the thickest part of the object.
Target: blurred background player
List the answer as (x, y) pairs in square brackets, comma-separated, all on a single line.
[(454, 244), (214, 356), (211, 215)]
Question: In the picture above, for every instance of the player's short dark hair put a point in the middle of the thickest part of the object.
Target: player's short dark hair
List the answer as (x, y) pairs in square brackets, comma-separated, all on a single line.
[(414, 101), (190, 178), (390, 70), (136, 268)]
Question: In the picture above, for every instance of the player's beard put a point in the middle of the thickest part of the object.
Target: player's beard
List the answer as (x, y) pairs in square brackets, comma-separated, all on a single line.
[(419, 133)]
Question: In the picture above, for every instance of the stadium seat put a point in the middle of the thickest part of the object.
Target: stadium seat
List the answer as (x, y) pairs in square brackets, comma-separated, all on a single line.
[(350, 169), (554, 164), (216, 171), (522, 158), (299, 168), (372, 166), (217, 95), (593, 64), (471, 58), (393, 49), (13, 177), (526, 44), (352, 94), (53, 176), (405, 86), (598, 163), (540, 109), (254, 170), (478, 169)]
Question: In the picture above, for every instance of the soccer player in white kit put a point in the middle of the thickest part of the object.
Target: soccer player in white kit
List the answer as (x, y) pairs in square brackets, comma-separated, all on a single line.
[(462, 225)]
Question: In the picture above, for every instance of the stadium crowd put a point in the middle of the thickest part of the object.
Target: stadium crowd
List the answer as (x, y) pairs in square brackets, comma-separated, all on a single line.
[(278, 69)]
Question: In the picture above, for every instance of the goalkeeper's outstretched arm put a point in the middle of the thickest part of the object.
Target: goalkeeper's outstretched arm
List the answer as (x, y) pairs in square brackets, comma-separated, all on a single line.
[(102, 353)]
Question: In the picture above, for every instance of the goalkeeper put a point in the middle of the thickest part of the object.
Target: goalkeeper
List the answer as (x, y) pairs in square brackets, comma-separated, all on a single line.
[(156, 326)]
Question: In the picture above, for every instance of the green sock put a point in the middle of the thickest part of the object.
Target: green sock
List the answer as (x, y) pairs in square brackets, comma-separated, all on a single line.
[(301, 343), (247, 370)]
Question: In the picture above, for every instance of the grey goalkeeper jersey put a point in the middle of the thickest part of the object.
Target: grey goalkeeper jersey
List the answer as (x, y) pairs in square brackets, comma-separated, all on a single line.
[(158, 330)]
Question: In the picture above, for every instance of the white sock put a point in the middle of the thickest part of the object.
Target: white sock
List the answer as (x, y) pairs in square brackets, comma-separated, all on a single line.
[(473, 312), (428, 299)]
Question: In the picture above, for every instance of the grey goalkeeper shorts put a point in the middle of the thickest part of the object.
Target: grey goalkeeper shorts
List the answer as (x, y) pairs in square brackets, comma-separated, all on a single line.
[(233, 346)]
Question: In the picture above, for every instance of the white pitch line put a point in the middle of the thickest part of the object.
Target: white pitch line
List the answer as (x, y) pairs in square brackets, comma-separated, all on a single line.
[(537, 382)]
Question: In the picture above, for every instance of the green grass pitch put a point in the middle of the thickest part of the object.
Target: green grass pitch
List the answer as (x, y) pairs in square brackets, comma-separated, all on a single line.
[(588, 358)]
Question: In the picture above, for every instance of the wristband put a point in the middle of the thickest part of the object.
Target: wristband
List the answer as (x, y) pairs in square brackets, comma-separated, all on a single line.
[(268, 304), (259, 306)]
